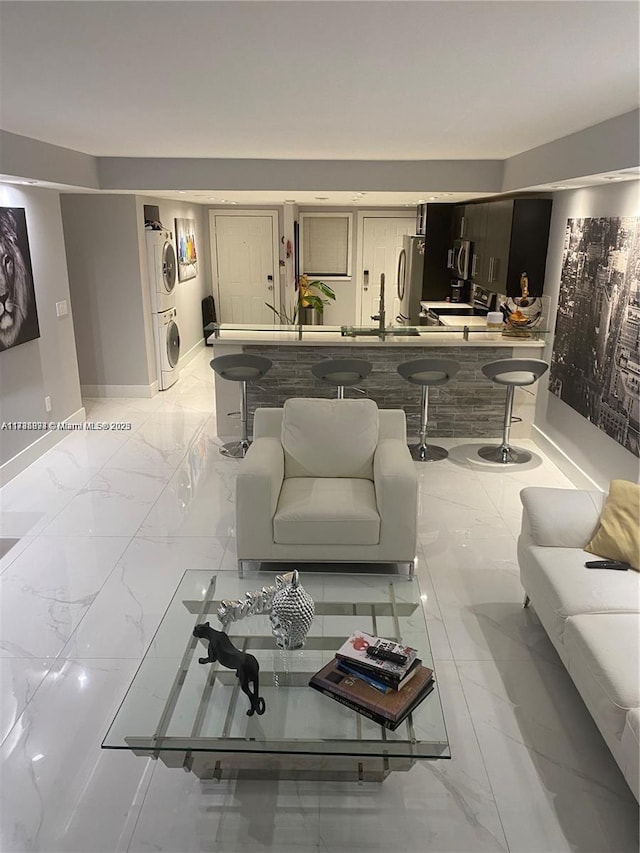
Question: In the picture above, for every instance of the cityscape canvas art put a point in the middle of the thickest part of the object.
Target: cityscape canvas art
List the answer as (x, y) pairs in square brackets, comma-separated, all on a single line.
[(595, 367), (18, 314), (186, 248)]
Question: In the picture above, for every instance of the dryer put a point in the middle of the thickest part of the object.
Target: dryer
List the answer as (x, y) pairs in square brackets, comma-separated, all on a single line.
[(167, 343), (161, 258)]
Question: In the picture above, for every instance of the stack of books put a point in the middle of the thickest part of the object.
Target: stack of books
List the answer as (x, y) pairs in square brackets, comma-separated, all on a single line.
[(378, 678)]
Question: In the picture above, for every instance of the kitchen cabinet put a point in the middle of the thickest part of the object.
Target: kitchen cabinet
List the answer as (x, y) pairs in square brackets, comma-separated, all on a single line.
[(509, 236)]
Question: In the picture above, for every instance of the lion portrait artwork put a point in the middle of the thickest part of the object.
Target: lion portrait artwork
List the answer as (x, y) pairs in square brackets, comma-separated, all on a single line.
[(18, 315)]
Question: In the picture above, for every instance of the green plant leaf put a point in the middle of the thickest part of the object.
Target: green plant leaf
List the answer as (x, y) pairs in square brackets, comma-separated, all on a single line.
[(324, 289)]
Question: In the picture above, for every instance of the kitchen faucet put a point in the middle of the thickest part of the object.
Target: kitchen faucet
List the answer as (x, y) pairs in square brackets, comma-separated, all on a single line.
[(380, 316)]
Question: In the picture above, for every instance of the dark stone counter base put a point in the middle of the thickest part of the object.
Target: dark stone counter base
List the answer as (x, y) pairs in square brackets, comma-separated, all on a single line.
[(468, 406)]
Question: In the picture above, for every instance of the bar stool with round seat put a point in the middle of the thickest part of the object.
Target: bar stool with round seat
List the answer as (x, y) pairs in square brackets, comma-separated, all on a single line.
[(341, 372), (240, 367), (514, 373), (427, 372)]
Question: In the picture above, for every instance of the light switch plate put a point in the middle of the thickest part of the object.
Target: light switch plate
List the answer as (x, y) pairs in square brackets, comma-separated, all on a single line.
[(61, 308)]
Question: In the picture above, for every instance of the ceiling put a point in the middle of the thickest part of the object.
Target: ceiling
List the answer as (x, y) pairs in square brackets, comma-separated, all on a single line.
[(314, 80)]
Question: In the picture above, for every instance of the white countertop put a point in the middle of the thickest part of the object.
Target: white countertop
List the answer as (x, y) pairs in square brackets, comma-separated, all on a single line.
[(443, 304), (429, 336)]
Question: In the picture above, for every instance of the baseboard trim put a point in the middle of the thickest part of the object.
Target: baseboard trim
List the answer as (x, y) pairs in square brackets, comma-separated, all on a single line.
[(190, 354), (120, 390), (38, 448), (579, 478)]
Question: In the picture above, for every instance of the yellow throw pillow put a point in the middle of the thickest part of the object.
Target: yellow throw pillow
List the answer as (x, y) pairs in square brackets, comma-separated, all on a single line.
[(618, 536)]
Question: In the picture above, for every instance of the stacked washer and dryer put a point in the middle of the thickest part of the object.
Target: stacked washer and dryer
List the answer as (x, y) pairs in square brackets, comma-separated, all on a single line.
[(162, 278)]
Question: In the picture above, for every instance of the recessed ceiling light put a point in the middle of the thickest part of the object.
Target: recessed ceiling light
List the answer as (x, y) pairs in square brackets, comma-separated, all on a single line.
[(433, 197), (182, 192), (421, 200)]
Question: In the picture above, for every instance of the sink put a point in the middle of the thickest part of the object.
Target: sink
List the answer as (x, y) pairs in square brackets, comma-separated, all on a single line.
[(373, 332)]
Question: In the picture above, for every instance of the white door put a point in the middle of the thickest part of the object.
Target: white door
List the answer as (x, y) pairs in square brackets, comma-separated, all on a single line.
[(381, 244), (245, 248)]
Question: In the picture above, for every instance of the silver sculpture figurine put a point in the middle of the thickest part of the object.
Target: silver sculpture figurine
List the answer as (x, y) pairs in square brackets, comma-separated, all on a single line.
[(290, 606), (292, 612)]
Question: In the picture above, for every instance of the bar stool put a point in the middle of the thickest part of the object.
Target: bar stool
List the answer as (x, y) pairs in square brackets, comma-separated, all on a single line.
[(240, 367), (342, 372), (514, 373), (426, 372)]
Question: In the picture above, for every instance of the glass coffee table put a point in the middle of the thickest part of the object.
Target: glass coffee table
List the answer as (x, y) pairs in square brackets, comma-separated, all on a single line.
[(194, 716)]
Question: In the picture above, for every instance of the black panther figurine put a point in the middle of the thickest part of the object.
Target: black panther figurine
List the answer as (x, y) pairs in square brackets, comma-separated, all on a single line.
[(246, 666)]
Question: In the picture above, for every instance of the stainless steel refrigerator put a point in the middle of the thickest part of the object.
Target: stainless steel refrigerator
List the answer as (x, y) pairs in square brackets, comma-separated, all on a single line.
[(409, 278)]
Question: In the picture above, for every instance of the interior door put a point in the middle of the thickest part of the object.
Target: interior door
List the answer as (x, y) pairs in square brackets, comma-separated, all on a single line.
[(381, 245), (246, 266)]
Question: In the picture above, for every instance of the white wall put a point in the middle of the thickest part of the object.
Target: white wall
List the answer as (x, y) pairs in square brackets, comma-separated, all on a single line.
[(47, 366), (344, 310), (189, 294), (600, 457), (103, 256)]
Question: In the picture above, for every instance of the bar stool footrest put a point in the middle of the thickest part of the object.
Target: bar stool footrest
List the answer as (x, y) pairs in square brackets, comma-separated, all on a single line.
[(505, 455), (427, 452), (235, 449)]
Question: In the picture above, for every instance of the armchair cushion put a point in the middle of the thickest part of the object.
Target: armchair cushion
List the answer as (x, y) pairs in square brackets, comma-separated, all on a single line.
[(329, 438), (335, 510)]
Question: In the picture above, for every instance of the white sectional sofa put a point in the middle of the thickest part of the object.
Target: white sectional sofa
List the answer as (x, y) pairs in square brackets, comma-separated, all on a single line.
[(591, 616)]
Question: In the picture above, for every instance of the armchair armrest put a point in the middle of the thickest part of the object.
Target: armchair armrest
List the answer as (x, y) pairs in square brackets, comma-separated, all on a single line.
[(396, 485), (565, 518), (257, 490)]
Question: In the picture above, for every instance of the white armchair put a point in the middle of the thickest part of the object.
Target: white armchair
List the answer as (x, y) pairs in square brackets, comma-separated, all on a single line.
[(327, 481)]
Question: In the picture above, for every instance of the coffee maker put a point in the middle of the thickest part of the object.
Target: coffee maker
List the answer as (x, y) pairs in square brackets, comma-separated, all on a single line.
[(459, 290)]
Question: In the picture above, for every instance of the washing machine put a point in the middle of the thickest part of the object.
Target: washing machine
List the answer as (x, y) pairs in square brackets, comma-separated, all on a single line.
[(167, 341), (161, 257)]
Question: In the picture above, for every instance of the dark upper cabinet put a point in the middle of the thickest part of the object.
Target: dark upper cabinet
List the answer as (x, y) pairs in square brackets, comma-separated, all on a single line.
[(476, 227), (458, 223), (509, 237)]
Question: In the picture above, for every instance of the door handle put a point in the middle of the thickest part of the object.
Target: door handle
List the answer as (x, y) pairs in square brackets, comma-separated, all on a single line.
[(450, 259), (474, 265), (365, 275), (491, 261)]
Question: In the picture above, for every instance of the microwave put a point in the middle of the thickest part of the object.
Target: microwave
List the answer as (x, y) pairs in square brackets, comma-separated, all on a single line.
[(459, 259)]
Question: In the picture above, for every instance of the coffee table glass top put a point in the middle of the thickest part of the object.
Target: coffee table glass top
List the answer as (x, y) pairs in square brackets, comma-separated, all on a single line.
[(175, 703)]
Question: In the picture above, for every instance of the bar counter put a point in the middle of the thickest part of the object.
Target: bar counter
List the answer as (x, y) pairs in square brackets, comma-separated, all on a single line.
[(468, 406)]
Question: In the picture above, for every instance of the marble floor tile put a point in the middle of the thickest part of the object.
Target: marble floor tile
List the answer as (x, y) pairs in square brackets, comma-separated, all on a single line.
[(11, 548), (113, 503), (438, 639), (199, 499), (46, 592), (438, 806), (483, 614), (127, 611), (60, 791), (20, 678), (556, 785), (158, 445)]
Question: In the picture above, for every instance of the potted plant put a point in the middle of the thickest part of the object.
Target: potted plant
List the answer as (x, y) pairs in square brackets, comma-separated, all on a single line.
[(308, 308)]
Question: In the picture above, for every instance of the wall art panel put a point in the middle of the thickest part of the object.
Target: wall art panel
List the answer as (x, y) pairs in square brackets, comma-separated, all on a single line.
[(18, 314), (595, 367), (186, 247)]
